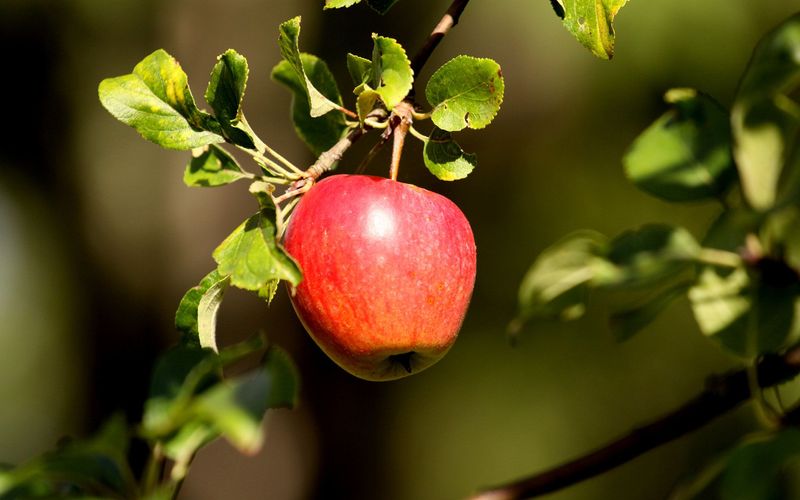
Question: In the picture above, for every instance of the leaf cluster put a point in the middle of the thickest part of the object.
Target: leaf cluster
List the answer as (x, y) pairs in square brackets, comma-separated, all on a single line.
[(742, 278)]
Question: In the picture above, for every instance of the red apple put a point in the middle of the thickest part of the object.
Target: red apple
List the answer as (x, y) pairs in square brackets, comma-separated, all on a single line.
[(388, 271)]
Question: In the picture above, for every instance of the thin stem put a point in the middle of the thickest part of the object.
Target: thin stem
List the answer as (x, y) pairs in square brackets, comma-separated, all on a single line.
[(447, 22), (419, 135), (271, 165), (283, 160), (347, 112), (720, 258), (722, 394), (153, 469)]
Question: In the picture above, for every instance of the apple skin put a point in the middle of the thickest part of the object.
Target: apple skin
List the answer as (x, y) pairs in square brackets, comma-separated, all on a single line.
[(388, 272)]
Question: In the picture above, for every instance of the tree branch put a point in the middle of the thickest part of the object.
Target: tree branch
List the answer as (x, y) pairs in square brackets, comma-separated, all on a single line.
[(447, 22), (722, 394)]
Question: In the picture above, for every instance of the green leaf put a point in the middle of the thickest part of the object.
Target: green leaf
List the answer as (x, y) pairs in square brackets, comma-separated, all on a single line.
[(180, 375), (156, 101), (591, 22), (746, 314), (235, 408), (627, 323), (93, 468), (445, 158), (360, 69), (224, 94), (755, 467), (557, 284), (686, 154), (211, 168), (322, 132), (336, 4), (252, 257), (465, 92), (196, 317), (381, 6), (764, 117), (646, 256), (318, 103), (392, 74), (365, 103)]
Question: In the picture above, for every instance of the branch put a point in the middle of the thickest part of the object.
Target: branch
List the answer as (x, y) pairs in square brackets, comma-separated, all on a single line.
[(722, 394), (447, 22)]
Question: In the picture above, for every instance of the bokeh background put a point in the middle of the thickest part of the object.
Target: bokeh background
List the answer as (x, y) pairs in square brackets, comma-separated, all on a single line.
[(99, 239)]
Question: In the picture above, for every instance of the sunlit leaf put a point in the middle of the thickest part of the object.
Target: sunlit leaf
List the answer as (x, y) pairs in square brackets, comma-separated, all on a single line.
[(252, 256), (155, 99), (318, 103), (392, 74), (465, 92), (765, 117), (686, 154), (196, 317), (591, 22)]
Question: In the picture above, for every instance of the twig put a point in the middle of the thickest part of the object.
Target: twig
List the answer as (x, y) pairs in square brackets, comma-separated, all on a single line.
[(400, 122), (722, 394), (447, 22)]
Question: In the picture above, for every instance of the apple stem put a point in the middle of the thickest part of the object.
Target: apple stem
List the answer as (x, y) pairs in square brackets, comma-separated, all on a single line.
[(400, 122)]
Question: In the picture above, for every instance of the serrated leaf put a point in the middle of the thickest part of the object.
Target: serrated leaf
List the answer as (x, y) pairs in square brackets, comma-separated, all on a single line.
[(591, 22), (465, 92), (318, 103), (445, 159), (224, 94), (197, 311), (337, 4), (322, 132), (686, 154), (764, 117), (252, 256), (360, 69), (213, 167), (557, 284), (365, 102), (156, 101), (392, 75), (381, 6), (268, 291), (646, 255)]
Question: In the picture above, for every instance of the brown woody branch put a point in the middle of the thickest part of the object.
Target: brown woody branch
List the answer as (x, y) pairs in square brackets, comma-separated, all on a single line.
[(722, 394), (447, 22)]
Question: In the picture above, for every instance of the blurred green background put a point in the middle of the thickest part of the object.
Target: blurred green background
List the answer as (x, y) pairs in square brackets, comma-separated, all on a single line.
[(99, 239)]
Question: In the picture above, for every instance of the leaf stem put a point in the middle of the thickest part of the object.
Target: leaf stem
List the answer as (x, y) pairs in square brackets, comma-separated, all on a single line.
[(271, 166), (723, 393), (419, 135), (282, 160), (719, 258), (153, 469)]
